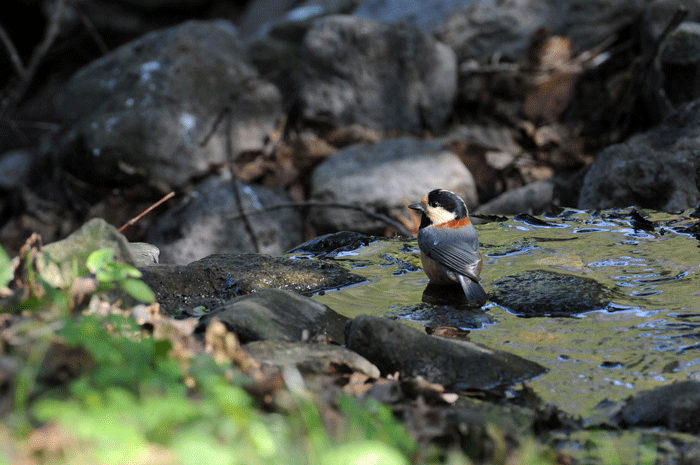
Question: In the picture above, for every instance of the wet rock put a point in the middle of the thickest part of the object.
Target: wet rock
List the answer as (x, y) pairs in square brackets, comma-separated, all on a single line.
[(355, 70), (213, 280), (406, 169), (277, 315), (330, 245), (208, 221), (675, 406), (546, 293), (460, 365), (653, 170), (148, 110), (314, 358)]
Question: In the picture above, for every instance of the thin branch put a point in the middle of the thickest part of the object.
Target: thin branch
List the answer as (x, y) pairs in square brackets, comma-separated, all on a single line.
[(235, 183), (317, 203), (90, 26), (14, 56), (37, 56), (136, 218)]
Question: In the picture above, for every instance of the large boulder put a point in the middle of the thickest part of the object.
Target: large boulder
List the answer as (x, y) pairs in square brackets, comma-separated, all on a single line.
[(152, 109), (354, 70), (208, 220), (385, 177), (654, 170)]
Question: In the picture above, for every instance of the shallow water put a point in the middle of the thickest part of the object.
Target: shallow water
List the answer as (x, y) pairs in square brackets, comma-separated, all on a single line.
[(647, 336)]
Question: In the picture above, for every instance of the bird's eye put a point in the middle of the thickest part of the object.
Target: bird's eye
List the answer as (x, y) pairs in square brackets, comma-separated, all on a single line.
[(434, 204)]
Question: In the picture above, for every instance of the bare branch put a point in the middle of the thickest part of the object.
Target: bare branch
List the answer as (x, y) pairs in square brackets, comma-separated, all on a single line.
[(138, 217), (14, 56), (316, 203), (37, 56)]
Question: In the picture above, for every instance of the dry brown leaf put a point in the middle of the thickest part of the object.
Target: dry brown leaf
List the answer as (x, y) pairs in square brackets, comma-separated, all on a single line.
[(546, 101)]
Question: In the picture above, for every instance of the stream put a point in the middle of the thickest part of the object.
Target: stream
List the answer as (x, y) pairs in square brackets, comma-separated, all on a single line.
[(647, 336)]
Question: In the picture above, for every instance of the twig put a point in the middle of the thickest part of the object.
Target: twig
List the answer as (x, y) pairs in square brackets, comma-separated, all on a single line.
[(317, 203), (136, 218), (37, 56), (90, 26), (226, 114), (14, 56)]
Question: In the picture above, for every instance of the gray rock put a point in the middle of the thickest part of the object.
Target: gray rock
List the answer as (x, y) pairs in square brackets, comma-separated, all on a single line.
[(658, 13), (534, 198), (680, 63), (588, 23), (546, 293), (94, 235), (482, 29), (263, 16), (277, 315), (393, 346), (485, 28), (315, 358), (386, 177), (355, 70), (425, 15), (144, 254), (147, 109), (14, 168), (207, 221), (212, 281), (675, 406), (653, 170)]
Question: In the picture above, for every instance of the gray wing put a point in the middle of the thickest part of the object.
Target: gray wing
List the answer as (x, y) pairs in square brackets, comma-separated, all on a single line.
[(458, 250)]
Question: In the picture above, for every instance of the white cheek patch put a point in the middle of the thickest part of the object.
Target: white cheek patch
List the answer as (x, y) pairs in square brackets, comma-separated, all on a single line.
[(440, 215)]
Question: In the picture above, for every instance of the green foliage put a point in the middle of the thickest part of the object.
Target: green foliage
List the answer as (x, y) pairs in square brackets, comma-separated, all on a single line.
[(134, 402), (125, 276), (376, 422), (5, 268)]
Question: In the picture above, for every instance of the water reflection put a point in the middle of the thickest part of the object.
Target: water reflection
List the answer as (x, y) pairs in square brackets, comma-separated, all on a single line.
[(650, 331)]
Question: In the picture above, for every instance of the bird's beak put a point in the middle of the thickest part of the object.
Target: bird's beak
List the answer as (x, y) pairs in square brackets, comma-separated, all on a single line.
[(416, 206)]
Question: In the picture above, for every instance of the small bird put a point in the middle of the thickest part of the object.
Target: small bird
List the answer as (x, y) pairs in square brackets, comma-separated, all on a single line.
[(448, 243)]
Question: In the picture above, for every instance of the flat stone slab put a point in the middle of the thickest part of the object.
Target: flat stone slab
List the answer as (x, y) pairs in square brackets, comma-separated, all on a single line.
[(215, 279)]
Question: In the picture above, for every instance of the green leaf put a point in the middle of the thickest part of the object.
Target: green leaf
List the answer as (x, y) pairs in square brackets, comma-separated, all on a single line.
[(98, 259), (122, 271), (138, 290), (6, 273)]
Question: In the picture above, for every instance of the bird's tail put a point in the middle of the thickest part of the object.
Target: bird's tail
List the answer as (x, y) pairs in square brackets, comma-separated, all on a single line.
[(473, 290)]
